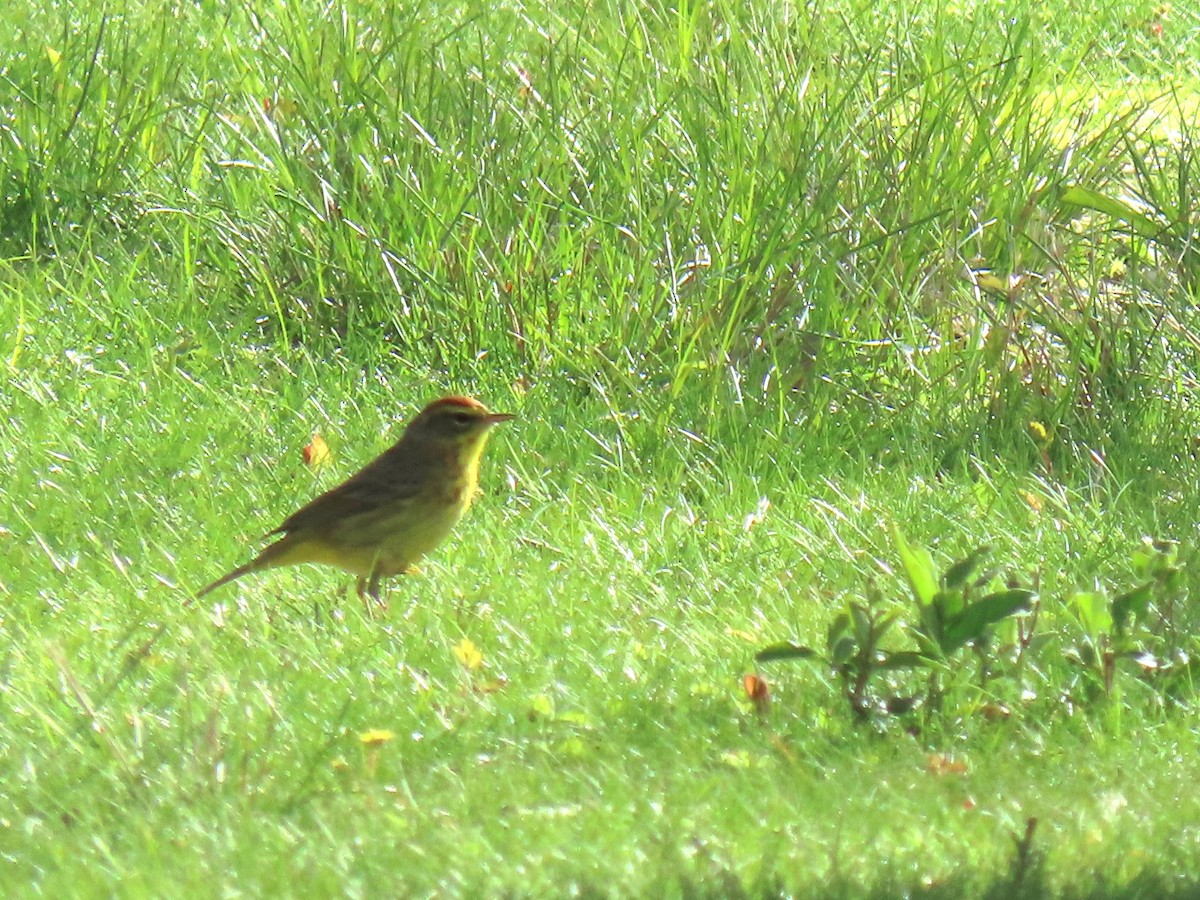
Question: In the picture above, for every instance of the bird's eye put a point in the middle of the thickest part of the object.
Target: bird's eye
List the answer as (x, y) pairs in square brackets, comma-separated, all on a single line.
[(463, 420)]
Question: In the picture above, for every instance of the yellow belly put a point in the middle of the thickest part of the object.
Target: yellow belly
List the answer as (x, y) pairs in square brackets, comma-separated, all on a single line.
[(365, 547)]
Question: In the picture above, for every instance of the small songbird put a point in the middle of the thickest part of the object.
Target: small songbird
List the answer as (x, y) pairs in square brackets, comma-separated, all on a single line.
[(399, 507)]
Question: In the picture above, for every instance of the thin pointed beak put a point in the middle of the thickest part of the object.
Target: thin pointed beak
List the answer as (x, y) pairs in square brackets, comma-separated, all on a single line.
[(497, 418)]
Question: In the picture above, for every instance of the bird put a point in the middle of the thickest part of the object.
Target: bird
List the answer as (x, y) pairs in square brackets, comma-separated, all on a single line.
[(393, 511)]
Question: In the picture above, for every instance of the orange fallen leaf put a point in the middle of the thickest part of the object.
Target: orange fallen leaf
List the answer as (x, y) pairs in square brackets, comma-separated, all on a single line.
[(940, 764), (316, 452), (995, 712), (757, 692)]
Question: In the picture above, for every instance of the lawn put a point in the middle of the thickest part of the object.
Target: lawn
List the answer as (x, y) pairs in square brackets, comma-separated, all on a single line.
[(797, 308)]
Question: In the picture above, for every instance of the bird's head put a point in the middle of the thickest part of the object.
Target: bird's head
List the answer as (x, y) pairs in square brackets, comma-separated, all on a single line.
[(455, 421)]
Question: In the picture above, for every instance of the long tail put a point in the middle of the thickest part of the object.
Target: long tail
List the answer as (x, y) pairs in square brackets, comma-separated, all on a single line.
[(253, 566), (280, 553)]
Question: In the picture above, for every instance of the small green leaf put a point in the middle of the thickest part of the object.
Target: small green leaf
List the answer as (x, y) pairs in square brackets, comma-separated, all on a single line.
[(841, 649), (1131, 603), (949, 604), (862, 623), (918, 567), (883, 623), (932, 622), (1169, 577), (1141, 223), (874, 594), (1088, 656), (930, 648), (784, 651), (960, 573), (1140, 561), (1093, 613), (839, 627), (971, 624), (840, 642)]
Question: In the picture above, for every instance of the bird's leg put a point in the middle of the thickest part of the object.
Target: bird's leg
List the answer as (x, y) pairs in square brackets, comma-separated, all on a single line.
[(368, 593), (361, 589), (373, 590)]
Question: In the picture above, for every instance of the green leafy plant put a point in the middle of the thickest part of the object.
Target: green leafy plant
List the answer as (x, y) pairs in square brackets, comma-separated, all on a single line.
[(1139, 625), (951, 614), (950, 617), (854, 651)]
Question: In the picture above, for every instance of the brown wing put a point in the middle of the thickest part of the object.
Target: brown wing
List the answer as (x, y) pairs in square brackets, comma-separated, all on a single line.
[(377, 486)]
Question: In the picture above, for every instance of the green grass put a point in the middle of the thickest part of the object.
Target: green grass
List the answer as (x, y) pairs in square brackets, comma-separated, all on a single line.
[(764, 284)]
